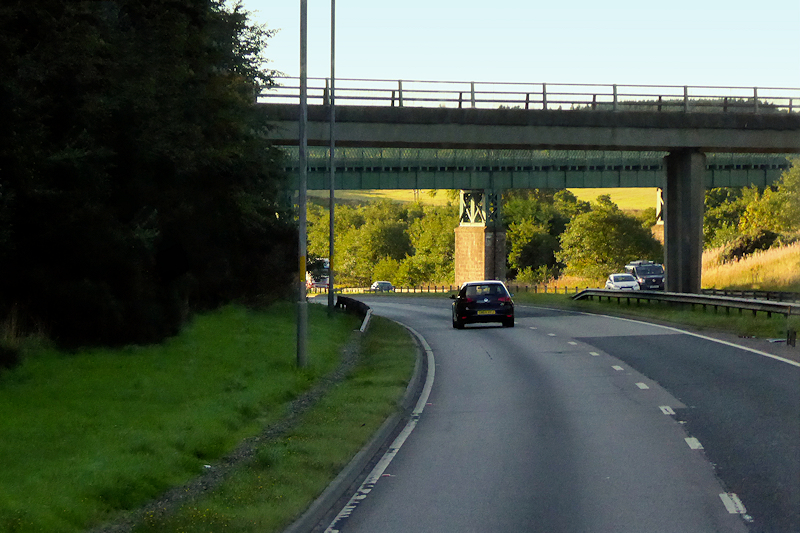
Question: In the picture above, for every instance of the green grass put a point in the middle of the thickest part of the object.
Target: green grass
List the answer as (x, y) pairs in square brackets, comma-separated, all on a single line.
[(285, 476), (87, 434), (745, 324)]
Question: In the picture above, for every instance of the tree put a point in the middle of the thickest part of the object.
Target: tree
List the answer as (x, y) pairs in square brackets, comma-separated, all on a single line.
[(433, 240), (603, 240), (531, 246), (723, 208), (569, 205), (137, 181), (776, 209)]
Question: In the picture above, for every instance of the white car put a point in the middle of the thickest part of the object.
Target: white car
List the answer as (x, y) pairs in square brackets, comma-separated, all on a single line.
[(622, 282), (381, 286), (321, 283)]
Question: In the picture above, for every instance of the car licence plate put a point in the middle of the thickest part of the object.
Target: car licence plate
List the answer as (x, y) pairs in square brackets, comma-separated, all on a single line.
[(485, 312)]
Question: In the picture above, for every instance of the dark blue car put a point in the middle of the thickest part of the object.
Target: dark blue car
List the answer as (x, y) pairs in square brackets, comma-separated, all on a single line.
[(483, 301)]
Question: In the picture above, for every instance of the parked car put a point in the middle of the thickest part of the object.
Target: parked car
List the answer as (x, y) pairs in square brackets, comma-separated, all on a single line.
[(483, 301), (622, 282), (649, 275), (381, 286), (321, 283)]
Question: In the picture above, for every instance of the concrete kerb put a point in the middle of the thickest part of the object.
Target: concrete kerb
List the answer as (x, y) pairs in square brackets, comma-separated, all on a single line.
[(358, 464)]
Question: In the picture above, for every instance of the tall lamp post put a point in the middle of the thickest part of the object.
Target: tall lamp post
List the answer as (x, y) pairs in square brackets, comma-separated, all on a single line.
[(331, 157), (302, 305)]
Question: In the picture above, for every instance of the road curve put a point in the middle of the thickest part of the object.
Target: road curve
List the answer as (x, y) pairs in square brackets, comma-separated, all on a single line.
[(572, 422)]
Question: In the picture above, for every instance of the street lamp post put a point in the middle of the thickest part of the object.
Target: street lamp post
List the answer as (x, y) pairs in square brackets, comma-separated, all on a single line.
[(332, 157), (302, 305)]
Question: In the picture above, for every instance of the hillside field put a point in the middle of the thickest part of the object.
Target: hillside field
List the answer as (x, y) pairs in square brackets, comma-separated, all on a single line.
[(628, 199)]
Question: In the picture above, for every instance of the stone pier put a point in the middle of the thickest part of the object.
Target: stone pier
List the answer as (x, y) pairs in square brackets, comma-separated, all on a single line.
[(480, 251)]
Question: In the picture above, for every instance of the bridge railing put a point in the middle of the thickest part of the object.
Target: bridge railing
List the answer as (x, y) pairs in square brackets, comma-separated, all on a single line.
[(542, 96)]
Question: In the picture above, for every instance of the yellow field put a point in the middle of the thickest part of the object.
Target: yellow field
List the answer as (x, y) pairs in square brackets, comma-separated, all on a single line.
[(628, 199), (404, 195), (774, 269)]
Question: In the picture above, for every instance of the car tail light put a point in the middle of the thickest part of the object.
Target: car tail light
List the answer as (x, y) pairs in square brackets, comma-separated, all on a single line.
[(469, 300), (504, 299)]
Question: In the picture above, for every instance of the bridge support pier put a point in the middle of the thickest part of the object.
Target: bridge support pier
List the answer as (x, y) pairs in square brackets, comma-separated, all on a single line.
[(480, 251), (683, 220)]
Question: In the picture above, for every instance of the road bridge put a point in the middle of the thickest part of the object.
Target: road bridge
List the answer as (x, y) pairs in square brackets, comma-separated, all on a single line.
[(599, 118)]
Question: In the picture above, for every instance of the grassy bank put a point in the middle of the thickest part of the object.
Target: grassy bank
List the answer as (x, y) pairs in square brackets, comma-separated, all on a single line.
[(776, 269), (85, 435), (284, 476)]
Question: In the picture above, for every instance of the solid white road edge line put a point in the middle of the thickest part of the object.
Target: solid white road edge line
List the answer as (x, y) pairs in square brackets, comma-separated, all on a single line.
[(381, 466), (669, 328)]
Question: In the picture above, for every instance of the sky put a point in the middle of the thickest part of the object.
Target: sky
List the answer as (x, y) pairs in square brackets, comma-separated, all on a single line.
[(676, 42)]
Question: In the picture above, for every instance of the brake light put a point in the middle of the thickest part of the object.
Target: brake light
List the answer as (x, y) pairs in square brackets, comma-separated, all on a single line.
[(469, 300), (504, 299)]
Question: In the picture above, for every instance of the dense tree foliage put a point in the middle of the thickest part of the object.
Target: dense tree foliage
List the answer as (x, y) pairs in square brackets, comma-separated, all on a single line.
[(406, 245), (603, 240), (752, 215), (535, 219), (135, 179)]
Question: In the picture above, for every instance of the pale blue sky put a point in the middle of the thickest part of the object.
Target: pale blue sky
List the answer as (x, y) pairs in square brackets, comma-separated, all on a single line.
[(675, 42)]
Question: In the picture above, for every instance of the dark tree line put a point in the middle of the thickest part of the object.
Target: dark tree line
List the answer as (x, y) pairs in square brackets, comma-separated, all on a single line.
[(136, 183)]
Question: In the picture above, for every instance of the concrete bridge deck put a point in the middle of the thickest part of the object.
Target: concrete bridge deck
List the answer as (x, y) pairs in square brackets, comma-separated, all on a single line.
[(522, 129)]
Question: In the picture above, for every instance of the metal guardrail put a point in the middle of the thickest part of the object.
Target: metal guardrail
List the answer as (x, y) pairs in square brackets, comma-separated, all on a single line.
[(780, 296), (725, 302), (542, 96)]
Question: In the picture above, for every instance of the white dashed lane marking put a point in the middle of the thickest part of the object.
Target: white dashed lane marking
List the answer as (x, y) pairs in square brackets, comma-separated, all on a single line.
[(617, 368), (572, 343), (594, 354), (693, 443), (551, 334), (667, 410), (732, 503), (642, 386)]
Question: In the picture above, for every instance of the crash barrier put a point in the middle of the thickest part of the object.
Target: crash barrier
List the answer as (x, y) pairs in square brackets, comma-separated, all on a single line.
[(351, 305), (444, 289), (780, 296), (704, 300)]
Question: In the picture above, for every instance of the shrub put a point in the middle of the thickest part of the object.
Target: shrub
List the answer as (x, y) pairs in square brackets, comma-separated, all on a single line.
[(747, 244)]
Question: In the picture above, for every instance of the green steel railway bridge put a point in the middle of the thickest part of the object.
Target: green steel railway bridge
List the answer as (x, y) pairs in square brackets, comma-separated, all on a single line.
[(483, 138)]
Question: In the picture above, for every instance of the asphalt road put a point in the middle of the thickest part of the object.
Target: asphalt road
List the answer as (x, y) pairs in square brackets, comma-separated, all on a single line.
[(578, 423)]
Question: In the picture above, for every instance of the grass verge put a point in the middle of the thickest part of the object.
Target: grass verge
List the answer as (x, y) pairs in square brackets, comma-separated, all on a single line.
[(88, 434), (745, 324), (270, 490)]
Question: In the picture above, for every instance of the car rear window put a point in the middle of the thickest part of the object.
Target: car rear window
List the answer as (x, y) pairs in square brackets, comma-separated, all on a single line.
[(486, 290), (623, 277)]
